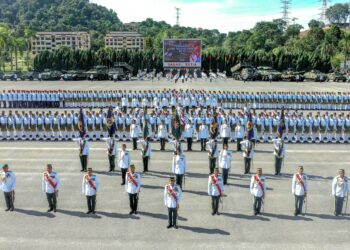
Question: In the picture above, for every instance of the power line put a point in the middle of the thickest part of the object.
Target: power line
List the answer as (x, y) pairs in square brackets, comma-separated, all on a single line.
[(177, 16)]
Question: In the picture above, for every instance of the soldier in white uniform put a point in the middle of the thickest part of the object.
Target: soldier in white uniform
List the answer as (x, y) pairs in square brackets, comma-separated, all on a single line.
[(90, 187), (258, 190), (84, 150), (8, 184), (248, 154), (225, 132), (162, 134), (225, 158), (179, 167), (203, 135), (340, 190), (132, 187), (112, 149), (3, 126), (172, 199), (279, 153), (188, 135), (215, 190), (299, 189), (239, 135), (124, 160), (146, 152), (134, 133), (50, 185), (212, 154)]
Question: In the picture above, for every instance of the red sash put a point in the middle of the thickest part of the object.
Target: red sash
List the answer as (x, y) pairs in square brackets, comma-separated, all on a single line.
[(91, 183), (171, 193), (131, 178), (47, 178), (301, 181), (215, 182), (257, 180)]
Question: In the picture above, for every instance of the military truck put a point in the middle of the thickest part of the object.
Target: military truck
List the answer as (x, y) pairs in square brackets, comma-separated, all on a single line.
[(51, 75), (100, 72), (292, 76), (315, 76), (73, 75), (336, 77), (122, 70), (244, 72), (265, 72)]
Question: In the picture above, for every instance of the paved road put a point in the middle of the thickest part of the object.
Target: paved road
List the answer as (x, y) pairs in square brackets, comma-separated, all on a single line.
[(230, 85), (30, 227)]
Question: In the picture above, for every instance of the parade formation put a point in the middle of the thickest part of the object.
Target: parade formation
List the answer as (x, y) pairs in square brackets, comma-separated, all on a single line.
[(212, 127)]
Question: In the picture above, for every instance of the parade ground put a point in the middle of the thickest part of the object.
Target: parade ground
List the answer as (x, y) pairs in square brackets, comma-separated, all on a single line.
[(200, 84), (31, 227)]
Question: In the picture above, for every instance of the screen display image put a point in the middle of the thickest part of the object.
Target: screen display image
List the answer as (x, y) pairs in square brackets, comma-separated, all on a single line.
[(182, 53)]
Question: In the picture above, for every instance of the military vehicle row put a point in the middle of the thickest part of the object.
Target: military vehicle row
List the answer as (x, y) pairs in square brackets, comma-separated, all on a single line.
[(120, 71), (246, 72)]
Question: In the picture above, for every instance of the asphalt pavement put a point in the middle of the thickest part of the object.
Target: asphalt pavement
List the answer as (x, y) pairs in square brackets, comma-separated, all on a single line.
[(31, 227)]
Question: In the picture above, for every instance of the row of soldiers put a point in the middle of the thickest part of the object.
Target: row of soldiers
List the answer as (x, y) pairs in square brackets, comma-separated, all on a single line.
[(300, 127), (189, 98), (173, 193)]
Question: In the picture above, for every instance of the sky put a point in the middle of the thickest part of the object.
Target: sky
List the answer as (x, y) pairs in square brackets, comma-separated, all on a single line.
[(224, 15)]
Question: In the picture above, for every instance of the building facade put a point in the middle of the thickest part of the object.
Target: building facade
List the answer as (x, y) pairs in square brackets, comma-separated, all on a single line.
[(120, 40), (49, 41)]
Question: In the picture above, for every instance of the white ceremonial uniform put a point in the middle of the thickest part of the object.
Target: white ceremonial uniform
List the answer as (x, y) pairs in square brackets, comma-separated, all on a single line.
[(46, 185), (277, 145), (212, 188), (162, 131), (203, 132), (255, 188), (340, 186), (109, 142), (130, 187), (8, 181), (134, 131), (245, 144), (169, 201), (124, 159), (179, 164), (225, 131), (84, 149), (87, 188), (297, 187), (225, 158)]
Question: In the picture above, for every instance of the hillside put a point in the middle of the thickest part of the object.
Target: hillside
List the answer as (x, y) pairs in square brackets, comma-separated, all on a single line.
[(59, 15)]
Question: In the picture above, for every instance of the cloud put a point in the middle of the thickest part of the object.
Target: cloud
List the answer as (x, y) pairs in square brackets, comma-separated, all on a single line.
[(226, 15)]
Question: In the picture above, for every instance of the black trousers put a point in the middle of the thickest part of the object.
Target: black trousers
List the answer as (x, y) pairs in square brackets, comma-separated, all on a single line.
[(299, 200), (278, 165), (212, 164), (84, 161), (162, 143), (133, 199), (52, 200), (225, 140), (338, 205), (247, 163), (91, 202), (134, 143), (239, 146), (203, 144), (189, 144), (124, 170), (111, 159), (257, 204), (9, 200), (145, 163), (179, 178), (172, 216), (215, 203), (225, 175), (124, 109)]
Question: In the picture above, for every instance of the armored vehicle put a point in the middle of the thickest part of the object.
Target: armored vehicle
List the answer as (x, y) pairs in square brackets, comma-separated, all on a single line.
[(73, 75), (292, 76), (336, 77), (315, 75), (100, 72), (51, 75), (265, 73)]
